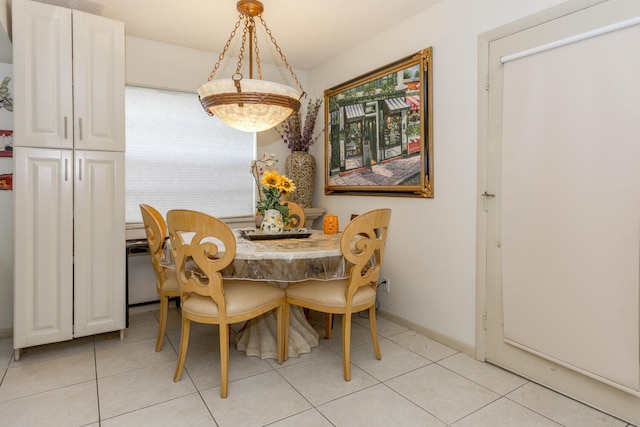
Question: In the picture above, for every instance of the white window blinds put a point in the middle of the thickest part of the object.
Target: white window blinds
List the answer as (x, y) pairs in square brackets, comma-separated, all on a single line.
[(178, 157)]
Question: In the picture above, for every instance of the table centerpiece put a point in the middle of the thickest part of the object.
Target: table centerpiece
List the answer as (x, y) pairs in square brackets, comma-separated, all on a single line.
[(271, 188)]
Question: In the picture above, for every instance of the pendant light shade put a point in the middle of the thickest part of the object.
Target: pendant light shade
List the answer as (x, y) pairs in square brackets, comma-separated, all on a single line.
[(251, 105), (260, 105)]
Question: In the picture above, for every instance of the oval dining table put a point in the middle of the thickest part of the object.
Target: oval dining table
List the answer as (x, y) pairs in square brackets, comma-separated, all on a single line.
[(281, 261)]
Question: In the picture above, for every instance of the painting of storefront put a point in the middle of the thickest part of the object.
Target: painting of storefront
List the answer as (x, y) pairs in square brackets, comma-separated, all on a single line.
[(394, 121), (376, 130), (375, 123)]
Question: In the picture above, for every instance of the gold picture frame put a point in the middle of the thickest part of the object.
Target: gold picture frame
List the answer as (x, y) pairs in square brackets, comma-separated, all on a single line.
[(379, 138)]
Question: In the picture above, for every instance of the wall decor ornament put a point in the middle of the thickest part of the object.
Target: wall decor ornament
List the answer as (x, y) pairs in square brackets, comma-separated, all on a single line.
[(6, 98), (6, 143), (379, 138), (6, 181)]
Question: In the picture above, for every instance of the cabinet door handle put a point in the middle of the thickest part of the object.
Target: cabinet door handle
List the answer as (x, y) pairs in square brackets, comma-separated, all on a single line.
[(66, 169), (80, 126), (66, 135), (80, 169)]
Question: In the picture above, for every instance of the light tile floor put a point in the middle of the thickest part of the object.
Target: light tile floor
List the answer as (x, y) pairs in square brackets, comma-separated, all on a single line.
[(102, 381)]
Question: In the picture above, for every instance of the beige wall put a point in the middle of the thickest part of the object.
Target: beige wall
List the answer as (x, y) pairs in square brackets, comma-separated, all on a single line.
[(431, 251)]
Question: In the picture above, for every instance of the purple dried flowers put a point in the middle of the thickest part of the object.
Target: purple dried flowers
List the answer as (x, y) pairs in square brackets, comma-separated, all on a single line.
[(297, 137)]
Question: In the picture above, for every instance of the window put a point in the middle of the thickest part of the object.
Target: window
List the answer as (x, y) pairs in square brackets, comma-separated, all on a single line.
[(178, 157)]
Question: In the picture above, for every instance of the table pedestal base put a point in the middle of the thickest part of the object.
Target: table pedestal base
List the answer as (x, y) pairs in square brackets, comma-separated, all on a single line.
[(258, 337)]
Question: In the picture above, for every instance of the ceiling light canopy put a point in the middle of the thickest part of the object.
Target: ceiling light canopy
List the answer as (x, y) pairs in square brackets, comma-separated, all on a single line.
[(251, 105)]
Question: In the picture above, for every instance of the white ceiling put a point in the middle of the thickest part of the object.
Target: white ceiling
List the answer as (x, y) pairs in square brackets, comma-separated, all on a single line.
[(308, 31)]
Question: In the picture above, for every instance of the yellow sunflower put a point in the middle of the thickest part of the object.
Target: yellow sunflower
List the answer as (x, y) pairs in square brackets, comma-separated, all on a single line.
[(271, 179), (286, 185)]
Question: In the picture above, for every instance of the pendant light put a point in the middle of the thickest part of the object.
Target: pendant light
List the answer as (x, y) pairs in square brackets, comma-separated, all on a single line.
[(251, 105)]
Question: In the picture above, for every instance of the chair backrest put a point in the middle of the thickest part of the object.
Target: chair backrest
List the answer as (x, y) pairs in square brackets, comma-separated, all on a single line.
[(156, 230), (362, 244), (202, 247), (297, 215)]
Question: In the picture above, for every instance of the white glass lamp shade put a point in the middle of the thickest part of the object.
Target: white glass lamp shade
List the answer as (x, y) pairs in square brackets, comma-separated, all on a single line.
[(259, 106)]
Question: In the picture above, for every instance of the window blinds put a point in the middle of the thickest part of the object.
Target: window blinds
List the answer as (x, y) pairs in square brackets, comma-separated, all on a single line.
[(178, 157)]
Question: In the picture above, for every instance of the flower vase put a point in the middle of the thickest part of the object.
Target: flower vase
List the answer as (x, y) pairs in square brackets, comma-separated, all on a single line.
[(301, 168), (272, 222)]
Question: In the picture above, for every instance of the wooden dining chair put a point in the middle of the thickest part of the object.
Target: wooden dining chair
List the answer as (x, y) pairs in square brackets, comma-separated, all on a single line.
[(297, 215), (203, 246), (362, 245), (328, 317), (155, 228)]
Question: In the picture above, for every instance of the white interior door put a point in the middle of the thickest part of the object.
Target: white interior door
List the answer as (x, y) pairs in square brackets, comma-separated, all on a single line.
[(563, 242)]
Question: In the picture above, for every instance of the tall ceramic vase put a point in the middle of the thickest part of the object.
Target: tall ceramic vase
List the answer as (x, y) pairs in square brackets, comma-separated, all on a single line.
[(300, 167)]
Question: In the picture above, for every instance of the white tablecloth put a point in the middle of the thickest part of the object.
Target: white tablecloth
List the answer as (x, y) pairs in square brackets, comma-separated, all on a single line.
[(284, 261)]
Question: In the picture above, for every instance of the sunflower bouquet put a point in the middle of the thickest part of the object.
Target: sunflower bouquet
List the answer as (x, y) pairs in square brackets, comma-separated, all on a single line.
[(274, 186)]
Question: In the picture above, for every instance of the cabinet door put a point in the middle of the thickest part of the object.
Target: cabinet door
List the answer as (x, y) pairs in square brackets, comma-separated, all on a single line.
[(42, 75), (98, 73), (99, 242), (43, 275)]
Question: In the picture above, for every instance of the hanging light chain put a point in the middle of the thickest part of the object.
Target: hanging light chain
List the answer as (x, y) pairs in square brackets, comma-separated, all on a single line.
[(226, 47), (249, 21), (284, 59), (257, 50), (244, 42)]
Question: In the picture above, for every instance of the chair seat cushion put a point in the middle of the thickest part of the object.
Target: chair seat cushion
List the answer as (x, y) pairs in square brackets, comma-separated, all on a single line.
[(242, 297), (329, 293)]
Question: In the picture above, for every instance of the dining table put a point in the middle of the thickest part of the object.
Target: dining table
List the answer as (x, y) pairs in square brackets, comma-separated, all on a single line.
[(296, 255), (280, 260)]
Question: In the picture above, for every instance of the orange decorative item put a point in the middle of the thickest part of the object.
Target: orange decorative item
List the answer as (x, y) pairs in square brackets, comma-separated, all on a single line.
[(330, 224)]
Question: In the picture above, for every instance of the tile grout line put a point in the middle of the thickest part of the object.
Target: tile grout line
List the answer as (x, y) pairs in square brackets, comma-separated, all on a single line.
[(95, 369)]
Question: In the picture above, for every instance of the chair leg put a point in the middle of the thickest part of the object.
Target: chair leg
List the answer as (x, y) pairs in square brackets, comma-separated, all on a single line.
[(184, 343), (224, 360), (280, 333), (374, 331), (285, 332), (346, 345), (164, 312), (328, 320)]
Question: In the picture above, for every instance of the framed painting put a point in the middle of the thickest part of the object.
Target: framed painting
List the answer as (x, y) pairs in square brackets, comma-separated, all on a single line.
[(379, 138)]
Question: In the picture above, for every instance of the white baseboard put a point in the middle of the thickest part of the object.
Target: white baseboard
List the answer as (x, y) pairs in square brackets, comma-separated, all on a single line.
[(436, 336)]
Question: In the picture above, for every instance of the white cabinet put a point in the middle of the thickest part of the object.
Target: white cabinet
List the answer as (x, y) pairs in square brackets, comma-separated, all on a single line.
[(68, 174), (69, 85), (43, 221), (99, 242)]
